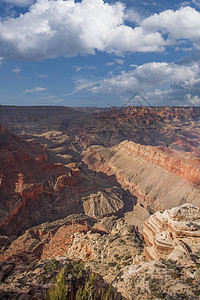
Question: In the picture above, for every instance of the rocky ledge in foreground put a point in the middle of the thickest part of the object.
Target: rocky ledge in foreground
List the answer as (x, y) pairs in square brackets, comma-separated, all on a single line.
[(114, 250), (174, 231), (31, 263), (173, 247)]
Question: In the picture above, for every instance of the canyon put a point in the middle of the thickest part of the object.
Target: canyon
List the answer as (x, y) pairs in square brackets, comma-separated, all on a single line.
[(172, 127), (115, 188), (168, 265), (34, 190), (159, 177)]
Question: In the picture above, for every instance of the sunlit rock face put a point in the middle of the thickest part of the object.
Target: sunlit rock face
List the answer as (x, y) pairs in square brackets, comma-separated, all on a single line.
[(34, 190), (159, 177), (175, 231), (29, 184)]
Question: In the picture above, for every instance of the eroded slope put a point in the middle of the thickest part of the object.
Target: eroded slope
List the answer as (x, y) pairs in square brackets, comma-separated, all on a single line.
[(158, 177), (34, 190)]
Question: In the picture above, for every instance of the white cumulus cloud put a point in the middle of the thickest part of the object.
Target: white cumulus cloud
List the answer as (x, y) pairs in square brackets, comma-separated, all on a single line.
[(86, 67), (67, 28), (16, 70), (180, 24), (160, 82), (41, 75)]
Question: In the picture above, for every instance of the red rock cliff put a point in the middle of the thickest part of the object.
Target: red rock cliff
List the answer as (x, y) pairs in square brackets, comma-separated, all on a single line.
[(162, 178), (188, 169), (29, 184)]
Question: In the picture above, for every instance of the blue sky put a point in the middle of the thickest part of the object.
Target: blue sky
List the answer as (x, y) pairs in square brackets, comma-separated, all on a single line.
[(99, 53)]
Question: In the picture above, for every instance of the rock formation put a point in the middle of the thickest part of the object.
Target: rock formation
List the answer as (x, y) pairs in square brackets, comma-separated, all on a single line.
[(172, 231), (47, 240), (111, 248), (170, 160), (174, 127), (87, 202), (172, 255), (34, 191), (152, 174), (111, 242)]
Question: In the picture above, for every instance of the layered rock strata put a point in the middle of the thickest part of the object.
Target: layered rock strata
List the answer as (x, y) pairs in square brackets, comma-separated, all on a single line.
[(153, 174), (170, 160), (177, 127), (172, 232), (33, 190), (109, 242), (170, 266)]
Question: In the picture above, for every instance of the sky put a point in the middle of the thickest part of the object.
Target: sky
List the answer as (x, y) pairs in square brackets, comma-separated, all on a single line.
[(100, 53)]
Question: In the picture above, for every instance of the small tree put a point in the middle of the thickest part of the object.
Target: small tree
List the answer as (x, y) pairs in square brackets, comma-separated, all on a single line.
[(59, 290), (88, 291)]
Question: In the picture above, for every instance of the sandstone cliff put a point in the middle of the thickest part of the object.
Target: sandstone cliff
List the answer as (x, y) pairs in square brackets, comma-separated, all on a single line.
[(47, 240), (158, 177), (174, 231), (104, 246), (172, 253)]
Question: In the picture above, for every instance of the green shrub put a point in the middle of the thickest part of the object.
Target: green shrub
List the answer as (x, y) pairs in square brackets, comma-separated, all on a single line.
[(154, 284), (111, 240), (196, 292), (106, 294), (161, 295), (175, 274), (74, 276), (189, 281), (59, 290), (75, 270), (126, 263), (52, 266), (116, 235), (90, 291)]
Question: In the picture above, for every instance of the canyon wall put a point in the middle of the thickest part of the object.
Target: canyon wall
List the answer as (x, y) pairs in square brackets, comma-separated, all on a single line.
[(171, 160), (175, 127), (158, 177), (33, 190)]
